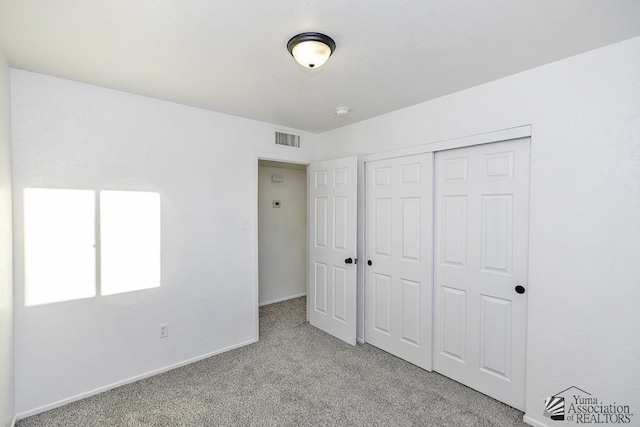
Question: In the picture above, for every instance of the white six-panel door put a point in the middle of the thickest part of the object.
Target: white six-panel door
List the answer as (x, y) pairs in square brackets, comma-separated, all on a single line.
[(481, 256), (399, 223), (332, 195)]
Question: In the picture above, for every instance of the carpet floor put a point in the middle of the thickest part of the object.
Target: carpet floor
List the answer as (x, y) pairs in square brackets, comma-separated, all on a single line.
[(296, 375)]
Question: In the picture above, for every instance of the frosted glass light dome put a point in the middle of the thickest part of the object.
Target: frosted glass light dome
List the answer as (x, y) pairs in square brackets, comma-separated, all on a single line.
[(311, 50)]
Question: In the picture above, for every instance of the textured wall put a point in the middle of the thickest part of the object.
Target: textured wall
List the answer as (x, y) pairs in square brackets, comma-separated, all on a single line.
[(585, 199), (6, 247), (204, 166)]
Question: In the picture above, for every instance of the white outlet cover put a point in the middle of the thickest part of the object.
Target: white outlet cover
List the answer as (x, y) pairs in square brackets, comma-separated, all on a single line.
[(164, 330)]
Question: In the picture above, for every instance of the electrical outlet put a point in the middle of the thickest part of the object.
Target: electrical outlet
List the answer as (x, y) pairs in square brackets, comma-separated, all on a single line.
[(164, 330)]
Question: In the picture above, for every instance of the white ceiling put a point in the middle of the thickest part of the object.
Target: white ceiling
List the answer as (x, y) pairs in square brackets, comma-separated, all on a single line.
[(230, 55)]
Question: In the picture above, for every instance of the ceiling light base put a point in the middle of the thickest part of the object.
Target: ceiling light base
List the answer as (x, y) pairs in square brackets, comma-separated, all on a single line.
[(342, 111)]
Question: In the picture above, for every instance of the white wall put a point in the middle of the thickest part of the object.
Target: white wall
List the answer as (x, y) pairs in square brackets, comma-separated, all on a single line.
[(204, 165), (282, 234), (584, 272), (7, 409)]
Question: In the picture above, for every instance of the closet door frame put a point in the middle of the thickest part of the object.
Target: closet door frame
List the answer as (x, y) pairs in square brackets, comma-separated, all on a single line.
[(467, 141)]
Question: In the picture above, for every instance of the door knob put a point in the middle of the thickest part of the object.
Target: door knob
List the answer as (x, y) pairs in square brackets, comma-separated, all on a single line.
[(369, 262), (520, 289), (348, 261)]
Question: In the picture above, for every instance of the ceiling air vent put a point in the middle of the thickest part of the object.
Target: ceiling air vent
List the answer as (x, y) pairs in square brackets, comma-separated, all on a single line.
[(287, 139)]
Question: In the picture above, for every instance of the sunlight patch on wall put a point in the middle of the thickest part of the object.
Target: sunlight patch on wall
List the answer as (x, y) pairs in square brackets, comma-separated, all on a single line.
[(59, 239), (61, 262), (129, 241)]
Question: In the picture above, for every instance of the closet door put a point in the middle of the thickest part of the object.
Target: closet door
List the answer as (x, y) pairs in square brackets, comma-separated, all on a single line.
[(481, 266), (399, 224)]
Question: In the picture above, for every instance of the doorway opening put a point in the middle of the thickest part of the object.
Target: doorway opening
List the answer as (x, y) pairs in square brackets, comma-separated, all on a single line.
[(282, 231)]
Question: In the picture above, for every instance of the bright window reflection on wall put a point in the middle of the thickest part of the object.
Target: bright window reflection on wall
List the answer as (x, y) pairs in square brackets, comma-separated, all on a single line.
[(59, 239), (129, 241), (60, 243)]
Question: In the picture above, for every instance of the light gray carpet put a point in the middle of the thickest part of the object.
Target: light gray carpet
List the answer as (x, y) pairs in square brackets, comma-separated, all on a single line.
[(295, 375)]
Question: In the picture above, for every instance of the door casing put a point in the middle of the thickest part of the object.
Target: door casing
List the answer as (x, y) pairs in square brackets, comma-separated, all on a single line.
[(253, 226)]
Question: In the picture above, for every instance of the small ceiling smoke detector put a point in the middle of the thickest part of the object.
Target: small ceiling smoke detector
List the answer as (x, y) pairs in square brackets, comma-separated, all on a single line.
[(311, 50), (342, 111)]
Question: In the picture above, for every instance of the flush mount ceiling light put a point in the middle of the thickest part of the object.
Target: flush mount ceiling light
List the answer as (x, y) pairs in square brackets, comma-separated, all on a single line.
[(311, 50)]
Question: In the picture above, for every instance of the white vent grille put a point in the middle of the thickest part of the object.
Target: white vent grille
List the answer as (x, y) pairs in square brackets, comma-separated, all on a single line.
[(287, 139)]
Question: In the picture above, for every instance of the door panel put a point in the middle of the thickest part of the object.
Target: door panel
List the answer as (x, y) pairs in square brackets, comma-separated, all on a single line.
[(382, 295), (454, 314), (495, 334), (382, 227), (497, 236), (340, 275), (399, 245), (411, 227), (340, 228), (410, 312), (455, 230), (320, 222), (332, 240), (481, 241), (320, 287)]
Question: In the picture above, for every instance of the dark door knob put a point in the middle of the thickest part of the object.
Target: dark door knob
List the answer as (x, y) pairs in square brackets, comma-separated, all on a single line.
[(369, 262), (520, 289), (348, 261)]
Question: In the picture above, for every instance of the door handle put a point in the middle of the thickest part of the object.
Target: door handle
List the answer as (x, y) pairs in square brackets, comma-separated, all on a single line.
[(369, 262), (348, 261), (520, 289)]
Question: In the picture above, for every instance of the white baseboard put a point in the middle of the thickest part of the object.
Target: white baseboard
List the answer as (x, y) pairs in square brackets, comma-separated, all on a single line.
[(273, 301), (527, 419), (13, 422), (99, 390), (360, 340)]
